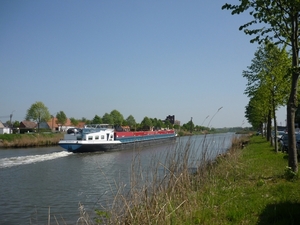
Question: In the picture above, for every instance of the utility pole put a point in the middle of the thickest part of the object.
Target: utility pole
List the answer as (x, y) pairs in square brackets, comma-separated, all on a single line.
[(10, 118), (52, 122)]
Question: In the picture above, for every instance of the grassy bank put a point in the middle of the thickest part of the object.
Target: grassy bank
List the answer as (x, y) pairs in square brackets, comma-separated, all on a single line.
[(29, 140), (243, 186), (251, 186)]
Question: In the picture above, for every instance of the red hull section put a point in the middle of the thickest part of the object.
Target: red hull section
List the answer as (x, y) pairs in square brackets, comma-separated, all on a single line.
[(142, 133)]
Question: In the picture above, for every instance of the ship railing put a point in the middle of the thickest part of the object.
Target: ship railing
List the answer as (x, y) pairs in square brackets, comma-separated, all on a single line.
[(103, 126)]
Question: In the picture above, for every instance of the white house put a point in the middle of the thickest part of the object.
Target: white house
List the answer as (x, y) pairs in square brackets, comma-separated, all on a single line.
[(4, 129)]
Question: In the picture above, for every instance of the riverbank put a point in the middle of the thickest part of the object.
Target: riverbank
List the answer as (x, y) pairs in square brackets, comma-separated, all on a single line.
[(29, 140), (247, 185)]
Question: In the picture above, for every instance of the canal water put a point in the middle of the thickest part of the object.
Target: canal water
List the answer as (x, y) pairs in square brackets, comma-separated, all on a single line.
[(37, 182)]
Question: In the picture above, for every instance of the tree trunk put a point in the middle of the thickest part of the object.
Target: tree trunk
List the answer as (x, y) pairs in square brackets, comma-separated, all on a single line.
[(291, 112), (269, 126), (292, 102), (292, 151), (275, 130)]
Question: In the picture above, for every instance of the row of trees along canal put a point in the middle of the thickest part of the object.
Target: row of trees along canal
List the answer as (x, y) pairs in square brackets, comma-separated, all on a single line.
[(274, 73), (38, 113)]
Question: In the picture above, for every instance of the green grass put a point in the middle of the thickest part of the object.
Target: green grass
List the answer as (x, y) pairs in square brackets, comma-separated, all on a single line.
[(10, 137), (29, 140), (250, 189)]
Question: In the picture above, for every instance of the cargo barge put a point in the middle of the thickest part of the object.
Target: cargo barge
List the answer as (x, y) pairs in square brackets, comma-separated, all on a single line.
[(105, 138)]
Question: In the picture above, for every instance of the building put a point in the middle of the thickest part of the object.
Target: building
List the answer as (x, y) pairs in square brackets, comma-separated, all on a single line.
[(54, 125), (4, 128), (171, 119), (28, 126)]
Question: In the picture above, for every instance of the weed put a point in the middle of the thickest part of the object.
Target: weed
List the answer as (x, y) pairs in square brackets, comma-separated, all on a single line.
[(289, 174), (101, 216)]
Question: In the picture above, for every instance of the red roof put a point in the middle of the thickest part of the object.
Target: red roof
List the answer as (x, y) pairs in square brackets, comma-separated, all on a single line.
[(67, 124)]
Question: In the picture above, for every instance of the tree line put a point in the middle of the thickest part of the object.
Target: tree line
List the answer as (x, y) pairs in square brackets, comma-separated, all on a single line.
[(274, 73), (38, 113)]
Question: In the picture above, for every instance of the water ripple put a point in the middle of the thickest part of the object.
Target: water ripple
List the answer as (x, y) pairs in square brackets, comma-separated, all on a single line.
[(23, 160)]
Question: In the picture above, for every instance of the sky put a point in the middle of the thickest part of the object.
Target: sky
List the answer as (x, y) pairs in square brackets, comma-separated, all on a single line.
[(142, 58)]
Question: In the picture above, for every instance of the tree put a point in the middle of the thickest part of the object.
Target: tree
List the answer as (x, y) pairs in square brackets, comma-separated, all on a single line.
[(176, 126), (106, 118), (117, 117), (268, 74), (74, 122), (257, 110), (97, 120), (146, 123), (277, 80), (280, 22), (189, 126), (158, 123), (16, 124), (131, 121), (61, 118), (38, 112), (168, 124)]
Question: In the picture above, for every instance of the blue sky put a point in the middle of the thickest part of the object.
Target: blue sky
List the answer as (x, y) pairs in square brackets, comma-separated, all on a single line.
[(142, 58)]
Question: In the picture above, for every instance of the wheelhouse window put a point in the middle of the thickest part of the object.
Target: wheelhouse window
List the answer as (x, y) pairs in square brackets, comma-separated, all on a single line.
[(90, 138), (96, 137), (102, 137)]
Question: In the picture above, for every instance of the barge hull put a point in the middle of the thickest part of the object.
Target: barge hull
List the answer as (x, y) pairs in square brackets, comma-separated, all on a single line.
[(109, 147)]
